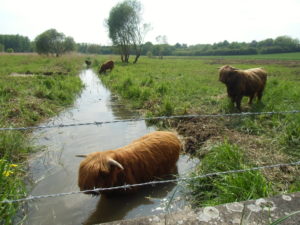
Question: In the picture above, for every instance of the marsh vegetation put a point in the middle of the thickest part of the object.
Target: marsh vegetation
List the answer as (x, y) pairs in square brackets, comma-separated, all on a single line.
[(189, 85), (33, 88), (27, 97)]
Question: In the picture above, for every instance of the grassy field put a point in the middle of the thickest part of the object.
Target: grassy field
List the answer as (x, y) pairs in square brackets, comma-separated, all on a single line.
[(27, 97), (33, 88), (188, 85)]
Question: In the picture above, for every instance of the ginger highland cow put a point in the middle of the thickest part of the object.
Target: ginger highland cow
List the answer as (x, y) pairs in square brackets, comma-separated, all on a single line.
[(145, 159)]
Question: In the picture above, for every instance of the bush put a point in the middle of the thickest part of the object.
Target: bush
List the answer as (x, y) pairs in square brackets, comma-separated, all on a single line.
[(10, 50)]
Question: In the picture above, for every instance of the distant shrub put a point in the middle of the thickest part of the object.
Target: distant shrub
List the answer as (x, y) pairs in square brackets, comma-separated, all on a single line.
[(150, 54), (10, 50)]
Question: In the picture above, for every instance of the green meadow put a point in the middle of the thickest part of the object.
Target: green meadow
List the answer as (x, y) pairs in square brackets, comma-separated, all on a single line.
[(189, 85), (34, 88)]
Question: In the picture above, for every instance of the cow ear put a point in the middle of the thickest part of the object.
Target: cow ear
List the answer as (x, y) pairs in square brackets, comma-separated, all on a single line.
[(112, 162)]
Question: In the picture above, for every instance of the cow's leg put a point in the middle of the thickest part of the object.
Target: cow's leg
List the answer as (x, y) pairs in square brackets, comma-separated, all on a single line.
[(251, 99), (259, 95), (238, 100)]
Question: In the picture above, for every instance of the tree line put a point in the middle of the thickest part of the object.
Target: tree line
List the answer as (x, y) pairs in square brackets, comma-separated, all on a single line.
[(127, 33), (15, 43), (281, 44)]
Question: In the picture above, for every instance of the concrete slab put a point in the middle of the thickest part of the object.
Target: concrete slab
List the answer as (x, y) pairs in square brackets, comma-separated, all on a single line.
[(252, 212)]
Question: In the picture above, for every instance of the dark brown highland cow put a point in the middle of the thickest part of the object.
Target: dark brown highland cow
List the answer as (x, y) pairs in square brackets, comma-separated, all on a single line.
[(148, 158), (88, 62), (241, 83), (109, 65)]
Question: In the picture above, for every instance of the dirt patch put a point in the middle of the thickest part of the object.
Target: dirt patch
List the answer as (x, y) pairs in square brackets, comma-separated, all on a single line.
[(22, 75), (200, 134), (43, 73), (196, 132), (288, 63)]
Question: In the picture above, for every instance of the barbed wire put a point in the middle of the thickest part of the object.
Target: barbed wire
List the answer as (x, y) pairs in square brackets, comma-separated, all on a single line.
[(97, 123), (128, 186)]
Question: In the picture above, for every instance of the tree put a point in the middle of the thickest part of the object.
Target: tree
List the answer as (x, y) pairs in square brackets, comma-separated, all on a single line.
[(2, 48), (162, 44), (286, 42), (266, 43), (53, 42), (138, 40), (69, 44), (16, 42), (125, 29)]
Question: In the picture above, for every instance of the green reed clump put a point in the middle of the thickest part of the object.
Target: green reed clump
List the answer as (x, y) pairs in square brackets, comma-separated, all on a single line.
[(226, 188)]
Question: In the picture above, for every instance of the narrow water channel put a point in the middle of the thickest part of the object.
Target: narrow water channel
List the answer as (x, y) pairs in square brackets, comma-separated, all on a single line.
[(55, 168)]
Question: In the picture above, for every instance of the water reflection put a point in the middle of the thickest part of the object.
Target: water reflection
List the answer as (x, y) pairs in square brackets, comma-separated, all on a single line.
[(119, 207)]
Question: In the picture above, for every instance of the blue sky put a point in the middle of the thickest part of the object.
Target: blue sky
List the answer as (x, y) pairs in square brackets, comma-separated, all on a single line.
[(183, 21)]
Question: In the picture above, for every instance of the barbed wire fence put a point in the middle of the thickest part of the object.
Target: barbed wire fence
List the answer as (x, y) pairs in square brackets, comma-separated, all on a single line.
[(98, 123), (128, 186), (180, 179)]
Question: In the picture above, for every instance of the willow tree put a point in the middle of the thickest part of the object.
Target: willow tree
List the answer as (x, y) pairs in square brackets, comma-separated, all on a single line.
[(125, 29), (53, 42)]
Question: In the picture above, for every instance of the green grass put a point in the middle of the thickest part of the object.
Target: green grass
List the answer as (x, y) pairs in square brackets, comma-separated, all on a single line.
[(35, 64), (187, 85), (226, 188), (10, 178), (25, 101), (157, 84)]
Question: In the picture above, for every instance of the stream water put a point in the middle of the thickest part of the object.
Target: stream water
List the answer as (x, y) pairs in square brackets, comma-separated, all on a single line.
[(55, 168)]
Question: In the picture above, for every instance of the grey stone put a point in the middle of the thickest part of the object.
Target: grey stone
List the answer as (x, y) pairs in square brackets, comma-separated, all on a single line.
[(253, 212)]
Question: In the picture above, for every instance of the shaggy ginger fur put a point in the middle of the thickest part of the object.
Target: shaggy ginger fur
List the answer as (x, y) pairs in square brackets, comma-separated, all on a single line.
[(148, 158), (109, 65), (241, 83)]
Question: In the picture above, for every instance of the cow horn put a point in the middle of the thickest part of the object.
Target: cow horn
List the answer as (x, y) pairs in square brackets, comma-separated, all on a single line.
[(83, 156), (115, 163)]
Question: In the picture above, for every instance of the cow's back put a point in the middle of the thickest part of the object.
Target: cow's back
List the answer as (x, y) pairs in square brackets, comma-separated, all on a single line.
[(154, 155)]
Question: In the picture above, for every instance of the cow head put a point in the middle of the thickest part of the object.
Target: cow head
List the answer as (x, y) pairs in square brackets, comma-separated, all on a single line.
[(98, 170), (226, 73)]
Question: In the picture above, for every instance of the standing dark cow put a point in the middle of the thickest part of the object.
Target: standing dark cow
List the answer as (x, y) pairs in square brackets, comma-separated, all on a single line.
[(109, 65), (241, 83), (145, 159), (88, 62)]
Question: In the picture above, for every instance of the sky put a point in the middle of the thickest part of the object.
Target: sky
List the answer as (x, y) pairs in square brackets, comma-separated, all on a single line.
[(181, 21)]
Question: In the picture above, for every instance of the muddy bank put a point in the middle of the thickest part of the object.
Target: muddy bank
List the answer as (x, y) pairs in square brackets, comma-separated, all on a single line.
[(288, 63)]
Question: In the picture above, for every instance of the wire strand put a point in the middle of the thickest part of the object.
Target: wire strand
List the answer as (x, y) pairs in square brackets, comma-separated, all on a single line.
[(97, 123), (128, 186)]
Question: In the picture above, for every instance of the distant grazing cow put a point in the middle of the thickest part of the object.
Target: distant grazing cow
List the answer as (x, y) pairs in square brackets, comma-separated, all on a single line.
[(145, 159), (241, 83), (109, 65), (88, 62)]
